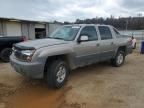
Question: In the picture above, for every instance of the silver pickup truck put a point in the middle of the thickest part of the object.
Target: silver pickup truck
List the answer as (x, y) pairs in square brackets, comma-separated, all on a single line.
[(68, 48)]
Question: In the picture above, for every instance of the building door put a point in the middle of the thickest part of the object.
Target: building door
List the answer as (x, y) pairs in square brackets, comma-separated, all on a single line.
[(13, 28), (40, 31)]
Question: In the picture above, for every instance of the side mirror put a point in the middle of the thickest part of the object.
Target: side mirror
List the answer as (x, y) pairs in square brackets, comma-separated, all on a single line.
[(83, 38)]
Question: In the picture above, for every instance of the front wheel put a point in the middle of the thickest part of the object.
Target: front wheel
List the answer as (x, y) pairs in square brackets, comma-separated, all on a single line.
[(119, 59), (57, 74)]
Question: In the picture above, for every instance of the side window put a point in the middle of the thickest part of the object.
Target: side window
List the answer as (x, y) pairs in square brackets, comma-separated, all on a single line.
[(89, 31), (116, 32), (105, 32)]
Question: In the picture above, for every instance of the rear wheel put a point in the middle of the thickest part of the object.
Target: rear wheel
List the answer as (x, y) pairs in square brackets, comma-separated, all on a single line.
[(5, 54), (57, 74), (119, 59)]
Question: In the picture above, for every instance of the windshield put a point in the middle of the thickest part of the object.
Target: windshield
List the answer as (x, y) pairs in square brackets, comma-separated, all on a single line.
[(67, 33)]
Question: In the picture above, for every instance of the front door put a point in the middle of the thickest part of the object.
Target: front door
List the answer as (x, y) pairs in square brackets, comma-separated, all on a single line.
[(87, 52)]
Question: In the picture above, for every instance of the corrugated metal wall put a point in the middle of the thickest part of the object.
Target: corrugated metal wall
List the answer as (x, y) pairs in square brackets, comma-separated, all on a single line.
[(2, 28), (31, 31), (27, 29)]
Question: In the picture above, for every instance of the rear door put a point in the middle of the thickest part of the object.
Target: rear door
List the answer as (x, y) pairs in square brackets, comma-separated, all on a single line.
[(107, 43)]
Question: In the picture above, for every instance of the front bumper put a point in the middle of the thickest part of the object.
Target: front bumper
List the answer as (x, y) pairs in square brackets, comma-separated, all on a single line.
[(31, 69)]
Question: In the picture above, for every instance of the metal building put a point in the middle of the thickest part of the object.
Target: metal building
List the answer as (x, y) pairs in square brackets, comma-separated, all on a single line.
[(30, 29)]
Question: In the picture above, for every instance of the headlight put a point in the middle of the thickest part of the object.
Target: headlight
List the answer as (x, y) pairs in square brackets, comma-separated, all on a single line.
[(27, 54)]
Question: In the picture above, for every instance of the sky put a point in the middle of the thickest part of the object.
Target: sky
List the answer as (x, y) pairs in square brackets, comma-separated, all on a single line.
[(69, 10)]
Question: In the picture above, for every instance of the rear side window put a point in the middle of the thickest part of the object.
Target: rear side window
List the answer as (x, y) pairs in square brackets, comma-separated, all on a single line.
[(105, 32), (89, 31), (116, 32)]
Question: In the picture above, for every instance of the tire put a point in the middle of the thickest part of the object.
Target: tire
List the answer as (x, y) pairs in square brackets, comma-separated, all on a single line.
[(5, 54), (57, 74), (119, 59)]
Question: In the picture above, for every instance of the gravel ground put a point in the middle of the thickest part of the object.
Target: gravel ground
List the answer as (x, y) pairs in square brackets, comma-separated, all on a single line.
[(96, 86)]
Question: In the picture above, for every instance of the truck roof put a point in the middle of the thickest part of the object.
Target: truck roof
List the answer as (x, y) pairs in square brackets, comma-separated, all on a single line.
[(87, 25)]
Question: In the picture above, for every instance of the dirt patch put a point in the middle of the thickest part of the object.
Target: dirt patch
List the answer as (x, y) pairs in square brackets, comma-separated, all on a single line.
[(39, 97), (5, 90)]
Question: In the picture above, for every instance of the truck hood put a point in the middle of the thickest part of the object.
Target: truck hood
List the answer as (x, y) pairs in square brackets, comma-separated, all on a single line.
[(41, 43)]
